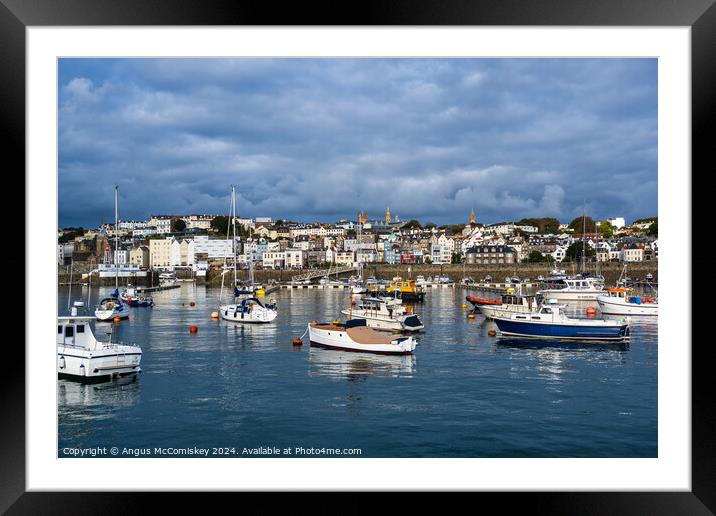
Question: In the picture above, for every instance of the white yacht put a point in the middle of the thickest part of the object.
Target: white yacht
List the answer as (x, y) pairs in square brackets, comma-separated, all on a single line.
[(111, 307), (81, 356), (244, 309), (385, 314), (577, 289)]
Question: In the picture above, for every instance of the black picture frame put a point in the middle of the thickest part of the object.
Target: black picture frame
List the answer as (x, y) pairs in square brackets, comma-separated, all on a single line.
[(16, 15)]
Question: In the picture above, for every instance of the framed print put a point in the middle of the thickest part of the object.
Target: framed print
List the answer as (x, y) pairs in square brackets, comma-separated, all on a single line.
[(421, 253)]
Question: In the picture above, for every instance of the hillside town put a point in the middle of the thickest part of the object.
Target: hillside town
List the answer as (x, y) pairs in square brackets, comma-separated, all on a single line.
[(203, 242)]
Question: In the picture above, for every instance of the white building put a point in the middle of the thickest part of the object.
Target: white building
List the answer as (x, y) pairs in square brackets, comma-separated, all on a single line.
[(198, 221), (64, 251), (274, 260), (617, 222), (121, 257), (295, 258), (163, 223), (215, 248)]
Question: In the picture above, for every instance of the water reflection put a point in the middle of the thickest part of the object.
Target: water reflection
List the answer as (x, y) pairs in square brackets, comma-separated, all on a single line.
[(122, 392), (347, 365)]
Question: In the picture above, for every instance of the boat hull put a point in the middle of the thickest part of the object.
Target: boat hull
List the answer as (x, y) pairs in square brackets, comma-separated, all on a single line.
[(96, 365), (108, 315), (234, 313), (578, 332), (612, 306), (337, 338)]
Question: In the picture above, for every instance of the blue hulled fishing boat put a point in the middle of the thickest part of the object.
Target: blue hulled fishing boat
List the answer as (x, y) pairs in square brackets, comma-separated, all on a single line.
[(550, 322)]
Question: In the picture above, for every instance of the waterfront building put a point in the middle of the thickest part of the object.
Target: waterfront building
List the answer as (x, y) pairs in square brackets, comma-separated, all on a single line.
[(215, 248), (345, 258), (139, 256), (274, 260), (160, 252), (490, 254), (182, 252), (121, 257), (633, 253), (295, 258), (64, 253)]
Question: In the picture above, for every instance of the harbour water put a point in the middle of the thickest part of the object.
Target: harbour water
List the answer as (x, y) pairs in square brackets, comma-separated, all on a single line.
[(234, 387)]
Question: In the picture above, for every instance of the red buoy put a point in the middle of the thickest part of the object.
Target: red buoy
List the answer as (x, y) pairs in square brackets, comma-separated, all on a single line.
[(193, 329), (297, 342)]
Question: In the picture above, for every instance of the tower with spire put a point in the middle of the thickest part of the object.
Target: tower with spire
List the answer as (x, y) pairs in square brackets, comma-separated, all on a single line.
[(387, 216), (473, 220)]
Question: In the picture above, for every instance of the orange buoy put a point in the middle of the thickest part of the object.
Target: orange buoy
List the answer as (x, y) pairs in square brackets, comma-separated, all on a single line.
[(193, 329), (470, 316), (297, 342), (591, 310), (214, 315), (117, 319), (492, 333)]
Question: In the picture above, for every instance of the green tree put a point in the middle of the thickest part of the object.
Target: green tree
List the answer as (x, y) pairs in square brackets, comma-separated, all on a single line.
[(412, 224), (535, 257), (574, 252), (580, 223), (178, 225), (220, 224), (544, 224), (606, 229), (653, 229)]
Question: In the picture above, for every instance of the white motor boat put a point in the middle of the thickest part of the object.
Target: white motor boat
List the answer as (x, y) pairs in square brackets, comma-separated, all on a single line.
[(420, 280), (622, 301), (577, 289), (111, 307), (355, 335), (81, 356), (385, 314)]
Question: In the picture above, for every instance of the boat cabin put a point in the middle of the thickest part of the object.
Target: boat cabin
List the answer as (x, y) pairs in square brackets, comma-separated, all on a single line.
[(627, 295), (76, 332)]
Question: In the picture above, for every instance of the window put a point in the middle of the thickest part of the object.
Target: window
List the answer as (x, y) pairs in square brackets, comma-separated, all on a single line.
[(80, 328), (59, 329), (69, 331)]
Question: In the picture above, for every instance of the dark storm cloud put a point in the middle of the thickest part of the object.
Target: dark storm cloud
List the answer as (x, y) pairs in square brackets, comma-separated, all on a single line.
[(314, 139)]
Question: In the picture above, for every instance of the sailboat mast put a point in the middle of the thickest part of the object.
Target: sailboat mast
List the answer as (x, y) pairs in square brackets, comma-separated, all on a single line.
[(233, 225), (584, 238), (116, 236)]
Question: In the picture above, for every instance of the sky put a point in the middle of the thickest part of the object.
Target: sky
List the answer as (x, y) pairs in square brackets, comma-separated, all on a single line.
[(321, 139)]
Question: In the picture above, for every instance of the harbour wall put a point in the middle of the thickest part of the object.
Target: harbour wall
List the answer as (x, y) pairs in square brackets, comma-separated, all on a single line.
[(455, 272)]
